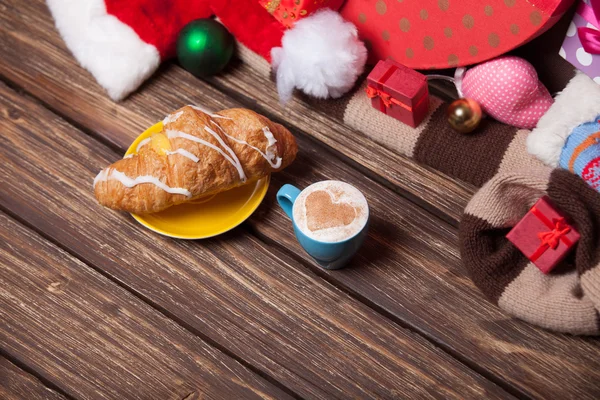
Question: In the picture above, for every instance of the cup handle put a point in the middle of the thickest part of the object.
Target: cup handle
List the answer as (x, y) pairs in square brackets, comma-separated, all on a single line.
[(286, 196)]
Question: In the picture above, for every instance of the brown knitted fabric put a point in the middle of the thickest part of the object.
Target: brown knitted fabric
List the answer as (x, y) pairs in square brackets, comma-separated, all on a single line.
[(567, 299), (473, 158)]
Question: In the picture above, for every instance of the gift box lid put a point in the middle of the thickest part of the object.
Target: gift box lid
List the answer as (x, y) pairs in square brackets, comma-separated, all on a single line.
[(400, 82), (444, 33)]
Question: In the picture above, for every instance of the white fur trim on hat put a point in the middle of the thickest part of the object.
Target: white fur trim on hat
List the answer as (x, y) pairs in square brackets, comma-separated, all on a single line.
[(578, 103), (111, 50), (321, 55)]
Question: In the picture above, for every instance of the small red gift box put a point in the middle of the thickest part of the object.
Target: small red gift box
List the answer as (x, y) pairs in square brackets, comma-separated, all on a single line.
[(544, 235), (399, 92), (289, 11)]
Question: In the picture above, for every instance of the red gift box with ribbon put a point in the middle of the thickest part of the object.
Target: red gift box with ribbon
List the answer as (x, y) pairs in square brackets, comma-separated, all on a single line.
[(544, 235), (289, 11), (399, 92)]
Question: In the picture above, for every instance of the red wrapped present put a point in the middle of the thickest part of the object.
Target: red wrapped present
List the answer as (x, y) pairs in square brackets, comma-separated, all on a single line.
[(289, 11), (544, 235), (399, 92)]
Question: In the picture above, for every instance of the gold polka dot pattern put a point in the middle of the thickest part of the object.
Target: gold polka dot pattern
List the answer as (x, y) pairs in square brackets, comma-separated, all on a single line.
[(452, 60), (424, 14), (404, 25), (448, 32), (514, 29), (494, 39), (488, 10), (428, 42), (468, 21), (381, 7), (443, 4), (535, 17)]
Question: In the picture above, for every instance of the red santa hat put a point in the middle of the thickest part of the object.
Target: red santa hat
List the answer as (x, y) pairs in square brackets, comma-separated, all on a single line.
[(122, 42)]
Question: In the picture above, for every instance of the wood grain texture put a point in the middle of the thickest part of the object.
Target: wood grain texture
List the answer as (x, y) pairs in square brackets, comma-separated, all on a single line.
[(47, 70), (94, 340), (410, 267), (16, 384), (416, 276), (247, 297)]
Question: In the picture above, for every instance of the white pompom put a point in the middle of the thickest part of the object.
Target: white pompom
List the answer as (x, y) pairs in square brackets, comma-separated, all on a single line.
[(321, 55)]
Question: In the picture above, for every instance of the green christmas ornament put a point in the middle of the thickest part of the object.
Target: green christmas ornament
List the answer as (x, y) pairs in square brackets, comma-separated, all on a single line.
[(204, 47)]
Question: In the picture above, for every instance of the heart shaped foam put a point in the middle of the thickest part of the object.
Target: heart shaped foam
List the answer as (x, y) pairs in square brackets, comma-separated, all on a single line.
[(323, 213), (508, 89)]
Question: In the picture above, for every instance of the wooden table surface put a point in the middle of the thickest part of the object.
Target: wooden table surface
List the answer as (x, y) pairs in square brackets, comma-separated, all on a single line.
[(93, 306)]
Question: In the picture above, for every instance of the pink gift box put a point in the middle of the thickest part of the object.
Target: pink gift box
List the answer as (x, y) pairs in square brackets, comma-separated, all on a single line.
[(581, 46)]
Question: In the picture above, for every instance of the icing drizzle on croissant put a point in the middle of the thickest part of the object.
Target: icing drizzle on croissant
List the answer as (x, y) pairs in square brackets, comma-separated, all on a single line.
[(205, 111), (232, 158), (112, 174), (184, 153), (172, 117), (142, 144), (269, 156)]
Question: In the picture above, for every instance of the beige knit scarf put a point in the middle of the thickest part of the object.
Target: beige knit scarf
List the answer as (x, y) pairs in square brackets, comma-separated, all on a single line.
[(568, 298)]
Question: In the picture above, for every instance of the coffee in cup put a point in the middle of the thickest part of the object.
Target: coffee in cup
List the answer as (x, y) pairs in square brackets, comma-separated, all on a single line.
[(330, 219), (330, 211)]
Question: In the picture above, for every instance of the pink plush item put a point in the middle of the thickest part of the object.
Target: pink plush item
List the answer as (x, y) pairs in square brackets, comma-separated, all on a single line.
[(508, 89)]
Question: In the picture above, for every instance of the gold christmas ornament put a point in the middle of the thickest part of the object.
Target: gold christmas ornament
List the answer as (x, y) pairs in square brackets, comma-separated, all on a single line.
[(464, 115)]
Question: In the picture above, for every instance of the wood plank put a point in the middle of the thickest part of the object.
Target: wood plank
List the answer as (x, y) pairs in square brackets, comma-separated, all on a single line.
[(16, 384), (46, 69), (424, 251), (410, 269), (257, 302), (93, 339)]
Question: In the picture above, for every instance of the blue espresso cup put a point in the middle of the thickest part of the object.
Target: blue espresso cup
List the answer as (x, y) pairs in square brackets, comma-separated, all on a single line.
[(329, 255)]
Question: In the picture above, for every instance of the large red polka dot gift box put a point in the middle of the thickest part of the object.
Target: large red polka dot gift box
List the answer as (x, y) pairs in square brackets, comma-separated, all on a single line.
[(435, 34)]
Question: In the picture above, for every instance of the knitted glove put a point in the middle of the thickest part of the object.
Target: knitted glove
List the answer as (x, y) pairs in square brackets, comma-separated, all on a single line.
[(577, 104), (581, 153), (568, 298)]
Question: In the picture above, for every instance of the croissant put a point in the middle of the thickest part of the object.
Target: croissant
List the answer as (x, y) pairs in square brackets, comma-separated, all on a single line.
[(196, 154)]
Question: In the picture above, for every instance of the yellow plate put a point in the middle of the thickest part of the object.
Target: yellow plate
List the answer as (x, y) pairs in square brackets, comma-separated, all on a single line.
[(205, 217)]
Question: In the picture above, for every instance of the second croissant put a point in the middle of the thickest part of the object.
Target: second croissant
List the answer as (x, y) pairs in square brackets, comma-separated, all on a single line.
[(196, 154)]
